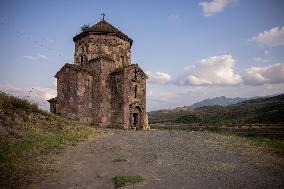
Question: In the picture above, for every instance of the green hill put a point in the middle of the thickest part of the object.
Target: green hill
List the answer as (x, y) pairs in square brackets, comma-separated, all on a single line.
[(268, 110), (222, 101)]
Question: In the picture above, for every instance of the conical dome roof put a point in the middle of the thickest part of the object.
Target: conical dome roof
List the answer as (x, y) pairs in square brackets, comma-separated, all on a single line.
[(103, 28)]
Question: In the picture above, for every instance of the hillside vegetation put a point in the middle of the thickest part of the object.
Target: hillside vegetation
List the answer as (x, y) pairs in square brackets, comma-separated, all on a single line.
[(222, 101), (28, 135), (257, 111)]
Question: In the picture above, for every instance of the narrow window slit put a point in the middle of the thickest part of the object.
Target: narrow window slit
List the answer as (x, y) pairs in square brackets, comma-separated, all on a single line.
[(135, 91)]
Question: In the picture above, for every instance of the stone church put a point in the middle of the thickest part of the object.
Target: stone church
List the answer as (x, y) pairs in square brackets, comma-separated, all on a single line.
[(102, 86)]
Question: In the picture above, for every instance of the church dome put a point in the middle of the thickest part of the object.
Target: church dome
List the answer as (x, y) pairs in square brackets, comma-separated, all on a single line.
[(103, 28)]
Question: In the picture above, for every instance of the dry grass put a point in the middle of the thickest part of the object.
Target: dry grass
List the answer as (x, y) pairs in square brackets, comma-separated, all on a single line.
[(28, 134), (222, 166)]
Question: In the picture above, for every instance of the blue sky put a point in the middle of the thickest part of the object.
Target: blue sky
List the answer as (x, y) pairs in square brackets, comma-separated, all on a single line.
[(191, 50)]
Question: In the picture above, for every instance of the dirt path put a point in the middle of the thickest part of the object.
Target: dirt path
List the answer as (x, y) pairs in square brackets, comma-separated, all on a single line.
[(168, 159)]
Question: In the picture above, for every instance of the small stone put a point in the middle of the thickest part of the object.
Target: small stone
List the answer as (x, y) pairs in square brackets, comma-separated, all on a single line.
[(102, 174)]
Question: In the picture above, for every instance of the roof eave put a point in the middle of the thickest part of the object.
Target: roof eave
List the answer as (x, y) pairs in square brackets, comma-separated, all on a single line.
[(85, 33)]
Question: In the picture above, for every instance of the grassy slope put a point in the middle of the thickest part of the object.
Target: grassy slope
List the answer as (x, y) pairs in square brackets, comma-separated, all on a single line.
[(27, 135), (258, 111)]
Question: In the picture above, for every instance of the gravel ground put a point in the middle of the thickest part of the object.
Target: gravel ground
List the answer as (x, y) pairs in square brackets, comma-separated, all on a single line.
[(168, 159)]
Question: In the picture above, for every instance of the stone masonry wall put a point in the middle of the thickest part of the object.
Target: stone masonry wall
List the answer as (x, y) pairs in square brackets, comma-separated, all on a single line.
[(102, 91), (84, 97), (66, 93), (131, 102), (91, 46), (103, 54), (117, 100), (74, 94)]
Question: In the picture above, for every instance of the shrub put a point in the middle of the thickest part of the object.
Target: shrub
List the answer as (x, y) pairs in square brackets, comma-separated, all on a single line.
[(85, 27), (122, 180), (119, 160)]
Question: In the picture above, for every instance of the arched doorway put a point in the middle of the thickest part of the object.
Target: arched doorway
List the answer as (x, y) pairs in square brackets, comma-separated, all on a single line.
[(135, 118)]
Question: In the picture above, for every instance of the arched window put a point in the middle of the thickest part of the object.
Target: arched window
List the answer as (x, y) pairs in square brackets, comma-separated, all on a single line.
[(135, 94), (81, 59)]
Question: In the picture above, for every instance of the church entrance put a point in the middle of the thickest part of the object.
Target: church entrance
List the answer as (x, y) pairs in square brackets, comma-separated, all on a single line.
[(135, 122)]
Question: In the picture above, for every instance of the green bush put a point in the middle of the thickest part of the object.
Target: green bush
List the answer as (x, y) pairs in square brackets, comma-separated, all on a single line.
[(119, 160), (122, 180)]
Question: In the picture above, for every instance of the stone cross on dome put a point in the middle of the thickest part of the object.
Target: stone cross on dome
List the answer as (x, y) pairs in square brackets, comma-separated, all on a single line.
[(103, 14)]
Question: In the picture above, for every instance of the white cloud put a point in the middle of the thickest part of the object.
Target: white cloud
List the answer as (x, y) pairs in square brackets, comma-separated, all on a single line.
[(42, 56), (49, 40), (215, 6), (44, 93), (36, 57), (171, 96), (261, 75), (260, 60), (38, 95), (174, 17), (29, 57), (273, 37), (215, 70), (158, 97), (158, 77)]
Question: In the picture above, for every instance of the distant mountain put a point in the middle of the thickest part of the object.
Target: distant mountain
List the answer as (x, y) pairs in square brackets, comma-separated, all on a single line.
[(221, 101), (259, 110)]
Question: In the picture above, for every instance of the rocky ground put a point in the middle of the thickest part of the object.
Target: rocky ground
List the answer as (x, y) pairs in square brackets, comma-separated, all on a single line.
[(168, 159)]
